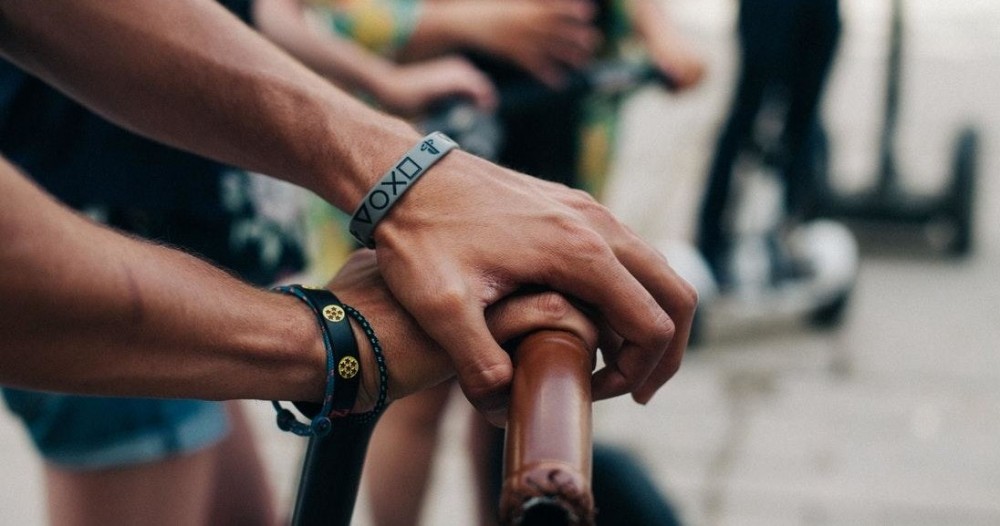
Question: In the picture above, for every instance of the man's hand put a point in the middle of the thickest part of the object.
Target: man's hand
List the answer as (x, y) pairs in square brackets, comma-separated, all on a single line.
[(677, 59), (414, 361), (544, 37), (470, 233), (672, 53)]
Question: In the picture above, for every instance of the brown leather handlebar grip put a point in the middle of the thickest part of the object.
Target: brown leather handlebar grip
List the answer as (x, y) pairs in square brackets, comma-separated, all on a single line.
[(548, 445)]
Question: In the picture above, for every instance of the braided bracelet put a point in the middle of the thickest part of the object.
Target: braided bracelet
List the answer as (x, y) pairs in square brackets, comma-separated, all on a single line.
[(342, 364), (383, 371), (395, 182)]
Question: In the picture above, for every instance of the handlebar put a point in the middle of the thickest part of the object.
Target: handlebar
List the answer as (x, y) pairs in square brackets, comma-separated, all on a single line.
[(548, 444)]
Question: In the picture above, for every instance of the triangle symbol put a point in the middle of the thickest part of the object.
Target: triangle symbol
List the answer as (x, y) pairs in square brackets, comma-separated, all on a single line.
[(362, 214)]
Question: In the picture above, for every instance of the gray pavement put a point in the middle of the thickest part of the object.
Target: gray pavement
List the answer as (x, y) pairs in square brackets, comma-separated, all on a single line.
[(892, 419)]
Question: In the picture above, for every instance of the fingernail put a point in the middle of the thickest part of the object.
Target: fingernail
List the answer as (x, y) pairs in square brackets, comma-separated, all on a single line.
[(641, 399)]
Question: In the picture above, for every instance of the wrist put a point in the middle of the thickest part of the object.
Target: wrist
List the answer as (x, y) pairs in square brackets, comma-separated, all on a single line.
[(368, 391), (397, 180), (308, 377), (300, 345), (351, 163), (344, 372), (305, 334)]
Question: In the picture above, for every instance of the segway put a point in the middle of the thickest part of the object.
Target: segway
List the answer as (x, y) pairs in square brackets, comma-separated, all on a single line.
[(806, 274), (887, 202)]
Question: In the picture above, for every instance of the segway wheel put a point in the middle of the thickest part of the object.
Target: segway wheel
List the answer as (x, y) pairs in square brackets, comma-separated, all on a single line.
[(963, 190), (831, 314)]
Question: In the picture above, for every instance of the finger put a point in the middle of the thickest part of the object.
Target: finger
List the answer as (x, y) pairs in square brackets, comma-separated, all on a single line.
[(623, 302), (518, 315), (482, 91), (583, 38), (628, 369), (580, 11), (570, 43), (485, 375), (472, 83), (484, 370), (648, 270), (569, 55), (678, 297), (548, 73), (609, 342)]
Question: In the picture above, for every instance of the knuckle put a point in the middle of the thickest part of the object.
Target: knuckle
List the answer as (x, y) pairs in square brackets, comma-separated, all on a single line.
[(486, 384), (553, 306), (585, 242), (661, 332), (584, 201), (688, 298), (448, 299)]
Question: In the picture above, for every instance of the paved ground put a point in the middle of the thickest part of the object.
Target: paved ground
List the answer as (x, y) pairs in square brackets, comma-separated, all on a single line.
[(893, 418)]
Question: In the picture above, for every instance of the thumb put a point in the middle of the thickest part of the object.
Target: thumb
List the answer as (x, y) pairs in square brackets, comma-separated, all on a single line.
[(484, 369)]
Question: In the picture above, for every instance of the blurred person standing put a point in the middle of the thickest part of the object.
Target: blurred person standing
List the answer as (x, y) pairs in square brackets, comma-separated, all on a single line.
[(786, 50)]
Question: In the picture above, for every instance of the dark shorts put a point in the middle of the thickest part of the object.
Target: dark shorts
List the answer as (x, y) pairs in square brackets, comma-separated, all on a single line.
[(83, 432)]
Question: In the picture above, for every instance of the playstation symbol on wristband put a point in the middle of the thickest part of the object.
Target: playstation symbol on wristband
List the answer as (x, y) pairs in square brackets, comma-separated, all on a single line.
[(395, 183), (428, 146)]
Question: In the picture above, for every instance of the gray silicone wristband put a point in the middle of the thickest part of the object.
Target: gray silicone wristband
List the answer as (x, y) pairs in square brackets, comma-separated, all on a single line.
[(395, 183)]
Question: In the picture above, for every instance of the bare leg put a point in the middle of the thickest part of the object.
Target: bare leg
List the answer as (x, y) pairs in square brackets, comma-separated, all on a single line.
[(241, 492), (401, 455), (168, 492), (485, 448), (203, 487)]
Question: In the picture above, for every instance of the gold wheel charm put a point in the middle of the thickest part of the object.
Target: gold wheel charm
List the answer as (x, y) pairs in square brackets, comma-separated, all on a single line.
[(333, 313), (348, 367)]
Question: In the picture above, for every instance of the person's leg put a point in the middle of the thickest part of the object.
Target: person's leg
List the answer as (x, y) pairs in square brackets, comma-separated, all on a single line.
[(624, 492), (763, 29), (817, 31), (485, 445), (168, 492), (401, 455), (221, 484), (240, 493), (138, 461)]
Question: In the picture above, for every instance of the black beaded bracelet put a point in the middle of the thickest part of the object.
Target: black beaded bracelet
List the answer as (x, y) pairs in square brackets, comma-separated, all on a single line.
[(342, 364), (383, 370)]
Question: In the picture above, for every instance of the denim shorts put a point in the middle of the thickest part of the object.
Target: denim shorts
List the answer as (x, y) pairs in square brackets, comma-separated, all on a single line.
[(89, 432)]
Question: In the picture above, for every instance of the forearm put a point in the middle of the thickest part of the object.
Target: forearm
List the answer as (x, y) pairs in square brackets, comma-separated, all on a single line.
[(443, 28), (340, 60), (666, 44), (649, 19), (190, 74), (89, 310)]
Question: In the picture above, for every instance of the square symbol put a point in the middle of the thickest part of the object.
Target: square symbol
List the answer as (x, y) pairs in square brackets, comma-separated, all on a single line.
[(409, 167)]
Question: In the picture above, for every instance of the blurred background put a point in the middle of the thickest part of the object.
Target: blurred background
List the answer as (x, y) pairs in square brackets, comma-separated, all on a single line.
[(892, 415)]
